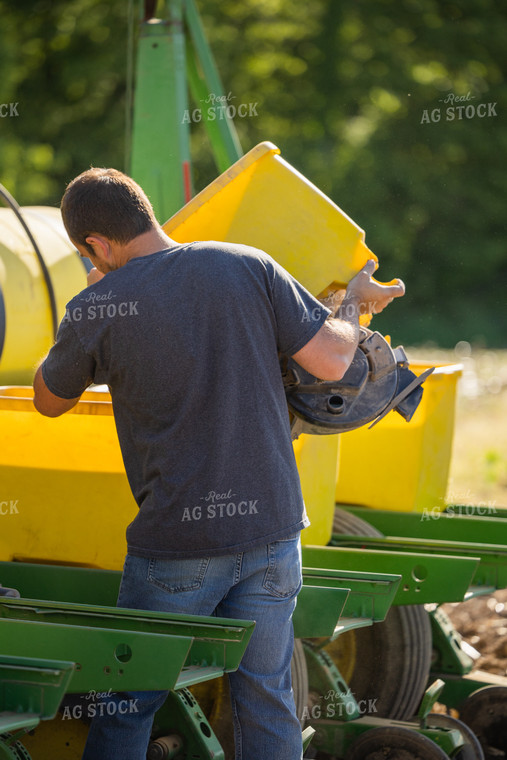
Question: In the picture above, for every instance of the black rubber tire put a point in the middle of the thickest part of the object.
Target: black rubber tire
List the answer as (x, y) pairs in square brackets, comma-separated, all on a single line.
[(485, 712), (394, 660), (394, 743), (349, 525), (299, 673), (472, 749)]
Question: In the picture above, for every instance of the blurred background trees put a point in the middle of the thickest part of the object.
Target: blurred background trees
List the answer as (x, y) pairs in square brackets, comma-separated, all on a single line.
[(395, 109)]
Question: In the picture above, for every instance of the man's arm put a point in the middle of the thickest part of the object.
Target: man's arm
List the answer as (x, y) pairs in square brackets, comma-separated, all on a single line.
[(330, 352), (46, 402)]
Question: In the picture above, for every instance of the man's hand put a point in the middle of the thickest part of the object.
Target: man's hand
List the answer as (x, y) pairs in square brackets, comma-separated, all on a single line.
[(373, 296), (330, 352), (94, 276)]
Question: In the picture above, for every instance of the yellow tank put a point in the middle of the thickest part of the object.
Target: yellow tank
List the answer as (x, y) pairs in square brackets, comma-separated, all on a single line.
[(405, 467), (64, 495), (264, 202), (26, 325)]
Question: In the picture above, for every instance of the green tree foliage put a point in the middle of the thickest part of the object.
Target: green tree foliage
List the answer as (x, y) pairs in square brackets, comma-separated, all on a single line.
[(362, 97), (351, 92), (63, 63)]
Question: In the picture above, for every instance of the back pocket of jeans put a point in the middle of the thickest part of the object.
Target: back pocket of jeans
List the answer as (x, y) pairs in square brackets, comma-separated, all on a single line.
[(175, 575), (283, 575)]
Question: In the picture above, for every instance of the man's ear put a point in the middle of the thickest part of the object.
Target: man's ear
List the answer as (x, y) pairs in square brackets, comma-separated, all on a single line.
[(101, 247)]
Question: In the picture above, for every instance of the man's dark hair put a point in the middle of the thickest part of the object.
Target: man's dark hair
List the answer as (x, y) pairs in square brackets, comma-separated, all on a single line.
[(105, 202)]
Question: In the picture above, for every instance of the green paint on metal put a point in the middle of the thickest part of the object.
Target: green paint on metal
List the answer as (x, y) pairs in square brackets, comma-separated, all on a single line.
[(123, 649), (458, 688), (172, 56), (155, 664), (32, 686), (421, 574), (14, 721), (61, 583), (160, 153), (449, 740), (308, 735), (331, 698), (335, 738), (182, 715), (478, 510), (449, 657), (475, 591), (11, 749), (491, 571), (318, 610), (370, 597), (208, 92), (463, 523), (429, 699)]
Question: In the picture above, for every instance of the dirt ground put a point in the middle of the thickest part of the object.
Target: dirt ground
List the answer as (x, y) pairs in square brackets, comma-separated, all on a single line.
[(482, 622)]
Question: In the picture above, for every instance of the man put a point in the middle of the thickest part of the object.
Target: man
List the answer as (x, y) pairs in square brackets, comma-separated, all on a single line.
[(188, 338)]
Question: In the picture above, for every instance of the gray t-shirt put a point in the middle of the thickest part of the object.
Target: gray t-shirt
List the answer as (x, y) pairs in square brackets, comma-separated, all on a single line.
[(187, 339)]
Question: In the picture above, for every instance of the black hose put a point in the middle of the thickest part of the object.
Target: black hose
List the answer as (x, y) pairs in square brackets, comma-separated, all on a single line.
[(2, 322), (7, 197)]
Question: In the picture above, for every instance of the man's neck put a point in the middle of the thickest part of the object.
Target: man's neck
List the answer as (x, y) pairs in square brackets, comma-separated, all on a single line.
[(143, 245)]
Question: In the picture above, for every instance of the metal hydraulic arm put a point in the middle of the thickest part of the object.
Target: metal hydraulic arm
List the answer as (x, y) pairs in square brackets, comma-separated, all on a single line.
[(173, 60)]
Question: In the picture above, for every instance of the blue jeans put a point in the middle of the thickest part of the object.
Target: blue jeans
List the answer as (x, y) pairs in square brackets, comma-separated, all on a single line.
[(260, 584)]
